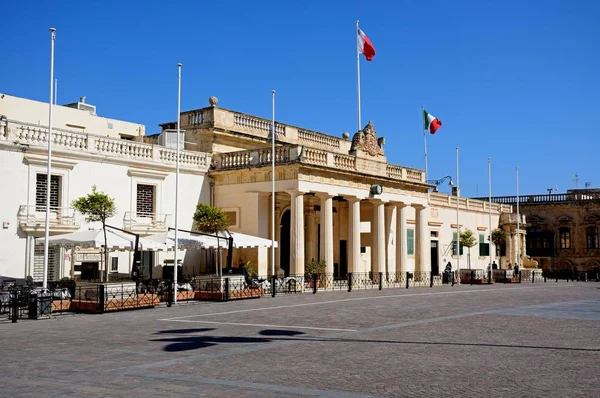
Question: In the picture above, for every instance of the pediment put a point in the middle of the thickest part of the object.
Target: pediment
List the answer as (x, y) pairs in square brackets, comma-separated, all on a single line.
[(564, 219), (535, 220)]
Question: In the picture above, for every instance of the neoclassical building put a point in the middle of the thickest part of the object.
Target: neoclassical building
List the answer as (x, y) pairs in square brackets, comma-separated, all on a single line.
[(338, 199)]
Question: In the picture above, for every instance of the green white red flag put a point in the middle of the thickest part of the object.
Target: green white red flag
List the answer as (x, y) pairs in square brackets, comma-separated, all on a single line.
[(430, 122)]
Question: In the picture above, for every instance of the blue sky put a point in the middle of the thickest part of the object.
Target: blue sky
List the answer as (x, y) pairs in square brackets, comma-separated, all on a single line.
[(514, 80)]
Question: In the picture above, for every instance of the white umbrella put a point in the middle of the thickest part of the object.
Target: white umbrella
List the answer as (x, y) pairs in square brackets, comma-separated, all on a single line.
[(186, 240), (95, 239)]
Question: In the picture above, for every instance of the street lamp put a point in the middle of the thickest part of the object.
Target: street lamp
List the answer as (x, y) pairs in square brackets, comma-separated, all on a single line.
[(440, 182)]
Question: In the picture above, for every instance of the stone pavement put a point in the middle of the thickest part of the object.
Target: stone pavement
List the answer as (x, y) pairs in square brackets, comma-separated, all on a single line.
[(499, 340)]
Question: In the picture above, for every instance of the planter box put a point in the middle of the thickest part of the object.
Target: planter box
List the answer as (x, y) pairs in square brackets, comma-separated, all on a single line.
[(61, 305)]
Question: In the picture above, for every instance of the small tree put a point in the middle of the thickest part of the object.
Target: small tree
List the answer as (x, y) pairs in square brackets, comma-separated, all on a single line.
[(211, 220), (97, 206), (499, 239), (467, 239)]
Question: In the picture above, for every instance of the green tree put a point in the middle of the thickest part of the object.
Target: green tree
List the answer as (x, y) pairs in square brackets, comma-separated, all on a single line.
[(499, 239), (210, 219), (97, 206), (467, 239)]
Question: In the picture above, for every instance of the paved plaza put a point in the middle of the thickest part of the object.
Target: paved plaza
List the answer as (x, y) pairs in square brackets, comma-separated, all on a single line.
[(500, 340)]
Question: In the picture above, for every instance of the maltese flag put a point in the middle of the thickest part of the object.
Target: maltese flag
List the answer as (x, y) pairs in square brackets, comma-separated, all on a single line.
[(364, 45)]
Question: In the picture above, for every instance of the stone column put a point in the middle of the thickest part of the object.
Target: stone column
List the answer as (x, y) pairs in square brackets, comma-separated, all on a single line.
[(354, 235), (422, 237), (378, 237), (391, 238), (401, 244), (327, 231), (311, 231), (297, 233)]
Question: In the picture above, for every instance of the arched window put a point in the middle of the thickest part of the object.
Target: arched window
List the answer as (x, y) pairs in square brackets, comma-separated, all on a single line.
[(592, 237), (565, 238)]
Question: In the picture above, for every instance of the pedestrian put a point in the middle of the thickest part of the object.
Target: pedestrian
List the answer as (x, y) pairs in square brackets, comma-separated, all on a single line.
[(494, 265), (509, 266)]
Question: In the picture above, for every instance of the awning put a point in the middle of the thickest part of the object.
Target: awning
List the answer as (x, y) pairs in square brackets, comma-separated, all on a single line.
[(193, 241), (95, 239)]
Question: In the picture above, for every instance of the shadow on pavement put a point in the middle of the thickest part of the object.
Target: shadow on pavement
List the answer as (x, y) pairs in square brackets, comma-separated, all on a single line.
[(184, 343)]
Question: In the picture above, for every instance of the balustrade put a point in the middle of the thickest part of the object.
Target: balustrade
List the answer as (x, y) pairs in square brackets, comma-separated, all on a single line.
[(344, 162), (77, 141), (256, 123), (318, 138)]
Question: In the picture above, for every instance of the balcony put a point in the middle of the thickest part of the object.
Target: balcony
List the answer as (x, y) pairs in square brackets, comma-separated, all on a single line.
[(145, 223), (32, 218), (311, 156)]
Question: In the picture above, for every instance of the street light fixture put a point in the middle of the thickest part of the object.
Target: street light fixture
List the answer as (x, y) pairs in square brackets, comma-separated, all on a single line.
[(440, 182)]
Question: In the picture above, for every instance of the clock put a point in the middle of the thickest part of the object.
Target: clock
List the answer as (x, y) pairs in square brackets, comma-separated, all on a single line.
[(376, 189)]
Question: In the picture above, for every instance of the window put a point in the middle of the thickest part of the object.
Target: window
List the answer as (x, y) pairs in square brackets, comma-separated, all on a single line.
[(114, 264), (592, 237), (41, 186), (565, 237), (145, 200), (484, 248), (454, 245), (540, 243), (410, 241)]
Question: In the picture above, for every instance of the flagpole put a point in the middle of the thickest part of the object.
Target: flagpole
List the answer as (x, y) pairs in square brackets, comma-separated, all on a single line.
[(424, 140), (358, 78), (273, 186), (518, 224), (176, 266), (49, 167), (457, 223), (490, 212)]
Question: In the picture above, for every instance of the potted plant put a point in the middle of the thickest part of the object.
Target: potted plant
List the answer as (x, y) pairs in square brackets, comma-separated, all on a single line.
[(314, 267)]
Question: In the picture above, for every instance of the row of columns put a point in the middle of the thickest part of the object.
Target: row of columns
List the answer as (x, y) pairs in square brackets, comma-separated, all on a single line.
[(383, 258)]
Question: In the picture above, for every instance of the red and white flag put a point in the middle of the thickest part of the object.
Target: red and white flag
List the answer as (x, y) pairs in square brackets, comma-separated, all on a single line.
[(365, 46)]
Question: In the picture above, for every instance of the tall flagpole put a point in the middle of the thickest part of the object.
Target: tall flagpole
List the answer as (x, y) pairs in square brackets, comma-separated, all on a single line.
[(490, 211), (49, 168), (424, 138), (176, 266), (457, 222), (518, 225), (273, 186), (358, 77)]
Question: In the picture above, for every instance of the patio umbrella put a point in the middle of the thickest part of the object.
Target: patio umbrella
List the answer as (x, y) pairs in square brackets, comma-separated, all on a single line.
[(95, 239), (186, 240)]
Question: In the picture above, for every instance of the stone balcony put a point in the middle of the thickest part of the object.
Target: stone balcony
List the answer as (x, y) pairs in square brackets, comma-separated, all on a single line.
[(32, 218), (28, 137), (145, 223), (318, 157)]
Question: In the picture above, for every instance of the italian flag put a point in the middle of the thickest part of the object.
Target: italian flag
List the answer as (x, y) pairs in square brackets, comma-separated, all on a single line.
[(364, 45), (431, 122)]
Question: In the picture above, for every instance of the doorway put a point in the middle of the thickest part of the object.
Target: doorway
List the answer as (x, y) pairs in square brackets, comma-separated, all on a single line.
[(284, 242), (343, 270), (435, 265)]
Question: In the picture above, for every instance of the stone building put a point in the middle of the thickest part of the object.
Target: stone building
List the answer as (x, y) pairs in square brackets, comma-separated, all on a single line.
[(562, 229), (337, 198)]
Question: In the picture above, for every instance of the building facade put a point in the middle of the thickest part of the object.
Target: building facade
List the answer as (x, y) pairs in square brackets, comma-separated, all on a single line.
[(87, 150), (562, 229), (337, 200)]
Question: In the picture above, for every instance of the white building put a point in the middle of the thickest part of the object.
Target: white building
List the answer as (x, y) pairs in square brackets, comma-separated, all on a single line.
[(87, 150), (337, 200)]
